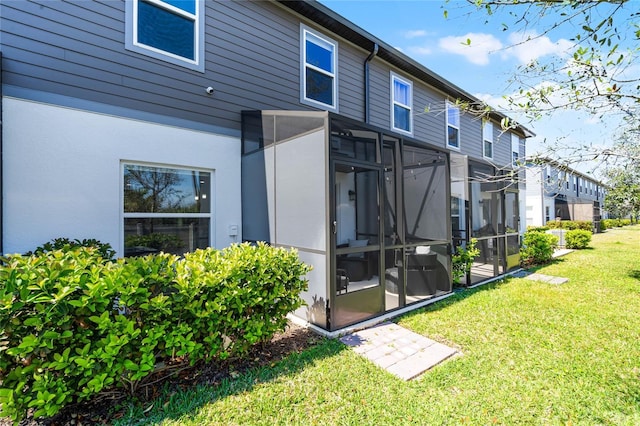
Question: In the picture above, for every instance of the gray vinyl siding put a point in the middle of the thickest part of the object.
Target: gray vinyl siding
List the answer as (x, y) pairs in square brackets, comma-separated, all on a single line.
[(501, 146), (252, 61), (351, 81), (251, 52), (77, 49), (429, 126), (380, 91), (470, 135)]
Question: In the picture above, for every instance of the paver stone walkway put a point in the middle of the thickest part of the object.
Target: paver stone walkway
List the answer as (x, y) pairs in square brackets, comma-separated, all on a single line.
[(398, 350)]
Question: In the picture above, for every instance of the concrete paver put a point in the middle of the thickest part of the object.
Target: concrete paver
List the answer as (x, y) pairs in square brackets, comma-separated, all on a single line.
[(398, 350), (547, 279)]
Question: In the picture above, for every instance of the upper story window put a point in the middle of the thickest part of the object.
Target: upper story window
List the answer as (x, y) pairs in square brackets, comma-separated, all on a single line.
[(170, 30), (453, 126), (515, 149), (487, 139), (401, 104), (319, 75)]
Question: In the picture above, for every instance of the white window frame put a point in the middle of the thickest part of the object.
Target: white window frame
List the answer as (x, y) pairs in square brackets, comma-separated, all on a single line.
[(487, 136), (395, 77), (319, 39), (145, 215), (449, 105), (515, 149), (131, 34)]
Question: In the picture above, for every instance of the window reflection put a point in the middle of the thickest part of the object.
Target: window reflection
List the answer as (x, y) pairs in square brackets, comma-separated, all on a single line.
[(165, 209), (163, 190)]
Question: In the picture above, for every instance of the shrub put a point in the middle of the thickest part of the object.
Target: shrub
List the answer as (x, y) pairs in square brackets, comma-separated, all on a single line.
[(587, 225), (73, 324), (65, 244), (578, 239), (615, 223), (537, 248), (462, 260)]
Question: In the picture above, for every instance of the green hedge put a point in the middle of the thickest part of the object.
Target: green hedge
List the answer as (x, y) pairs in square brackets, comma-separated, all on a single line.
[(586, 225), (613, 223), (74, 323), (537, 247), (577, 239)]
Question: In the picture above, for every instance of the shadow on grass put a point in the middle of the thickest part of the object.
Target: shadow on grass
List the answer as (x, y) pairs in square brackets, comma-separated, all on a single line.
[(459, 294), (174, 405), (635, 274), (462, 293)]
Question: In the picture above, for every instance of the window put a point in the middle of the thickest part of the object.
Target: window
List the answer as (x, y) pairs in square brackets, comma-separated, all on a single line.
[(487, 139), (515, 149), (165, 209), (170, 30), (401, 102), (319, 75), (453, 126)]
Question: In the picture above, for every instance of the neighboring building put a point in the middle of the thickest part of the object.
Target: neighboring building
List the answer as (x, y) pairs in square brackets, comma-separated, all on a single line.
[(558, 192), (179, 125)]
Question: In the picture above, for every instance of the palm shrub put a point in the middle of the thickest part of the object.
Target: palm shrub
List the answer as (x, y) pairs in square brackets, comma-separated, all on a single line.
[(537, 247), (578, 239)]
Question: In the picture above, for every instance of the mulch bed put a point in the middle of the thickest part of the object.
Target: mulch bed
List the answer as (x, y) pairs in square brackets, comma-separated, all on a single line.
[(106, 406)]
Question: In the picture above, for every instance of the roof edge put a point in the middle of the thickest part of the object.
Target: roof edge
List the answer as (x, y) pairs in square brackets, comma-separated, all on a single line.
[(338, 24)]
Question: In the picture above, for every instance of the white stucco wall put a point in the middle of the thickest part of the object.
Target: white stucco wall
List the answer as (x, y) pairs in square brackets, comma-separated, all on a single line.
[(534, 197), (62, 172)]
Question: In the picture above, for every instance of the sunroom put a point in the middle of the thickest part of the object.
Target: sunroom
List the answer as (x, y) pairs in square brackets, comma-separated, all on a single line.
[(368, 209)]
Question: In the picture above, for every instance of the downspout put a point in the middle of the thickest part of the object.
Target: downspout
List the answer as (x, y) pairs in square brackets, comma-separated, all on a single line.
[(373, 53)]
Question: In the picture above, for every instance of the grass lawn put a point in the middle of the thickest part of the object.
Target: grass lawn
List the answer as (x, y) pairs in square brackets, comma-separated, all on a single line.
[(533, 353)]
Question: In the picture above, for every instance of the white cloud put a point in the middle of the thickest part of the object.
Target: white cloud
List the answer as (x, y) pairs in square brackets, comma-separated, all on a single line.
[(415, 33), (527, 47), (498, 103), (419, 50), (475, 47)]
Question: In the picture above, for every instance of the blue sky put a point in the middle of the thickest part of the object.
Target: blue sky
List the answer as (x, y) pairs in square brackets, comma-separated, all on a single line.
[(419, 29)]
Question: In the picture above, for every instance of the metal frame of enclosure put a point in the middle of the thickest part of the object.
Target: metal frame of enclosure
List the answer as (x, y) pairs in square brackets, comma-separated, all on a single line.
[(485, 207), (367, 208)]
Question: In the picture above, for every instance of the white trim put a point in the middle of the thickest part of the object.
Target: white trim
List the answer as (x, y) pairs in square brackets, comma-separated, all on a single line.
[(124, 215), (393, 78), (515, 148), (329, 44), (447, 125), (131, 34), (487, 127)]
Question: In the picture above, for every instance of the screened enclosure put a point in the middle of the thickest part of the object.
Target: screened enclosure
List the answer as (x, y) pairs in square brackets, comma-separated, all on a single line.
[(485, 207), (369, 211)]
